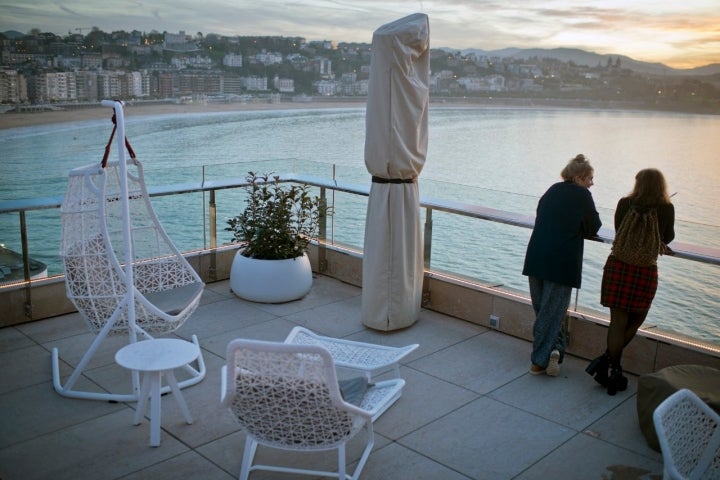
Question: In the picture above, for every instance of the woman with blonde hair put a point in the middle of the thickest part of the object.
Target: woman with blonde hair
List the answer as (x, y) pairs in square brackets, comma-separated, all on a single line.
[(630, 279), (566, 215)]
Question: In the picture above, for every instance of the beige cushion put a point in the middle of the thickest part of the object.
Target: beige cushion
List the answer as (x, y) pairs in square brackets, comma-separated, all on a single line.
[(175, 300)]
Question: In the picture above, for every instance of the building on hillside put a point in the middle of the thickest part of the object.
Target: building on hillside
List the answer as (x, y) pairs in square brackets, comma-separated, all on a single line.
[(13, 87), (323, 67), (187, 61), (38, 59), (284, 85), (60, 87), (168, 85), (233, 60), (254, 83), (232, 85), (269, 58), (87, 87), (70, 63), (200, 83), (91, 61), (135, 85), (110, 84), (326, 87), (179, 42)]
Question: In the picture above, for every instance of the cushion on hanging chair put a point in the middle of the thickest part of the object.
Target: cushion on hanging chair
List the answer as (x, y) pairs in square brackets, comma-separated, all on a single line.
[(175, 300)]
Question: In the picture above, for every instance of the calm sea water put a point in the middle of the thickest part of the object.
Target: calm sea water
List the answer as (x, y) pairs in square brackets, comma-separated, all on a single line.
[(497, 157)]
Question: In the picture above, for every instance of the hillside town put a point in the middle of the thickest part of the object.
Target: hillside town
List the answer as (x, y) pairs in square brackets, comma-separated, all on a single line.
[(41, 70)]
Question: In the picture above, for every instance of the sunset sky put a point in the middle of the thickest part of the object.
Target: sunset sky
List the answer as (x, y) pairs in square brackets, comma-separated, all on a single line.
[(681, 34)]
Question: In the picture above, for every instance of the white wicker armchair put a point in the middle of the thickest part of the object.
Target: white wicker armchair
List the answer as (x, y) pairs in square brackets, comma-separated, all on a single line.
[(689, 434), (287, 396)]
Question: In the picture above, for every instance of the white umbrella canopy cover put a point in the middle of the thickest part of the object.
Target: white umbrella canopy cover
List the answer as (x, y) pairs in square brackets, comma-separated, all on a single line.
[(396, 138)]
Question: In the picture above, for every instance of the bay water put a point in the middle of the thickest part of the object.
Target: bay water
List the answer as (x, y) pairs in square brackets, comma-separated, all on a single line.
[(503, 158)]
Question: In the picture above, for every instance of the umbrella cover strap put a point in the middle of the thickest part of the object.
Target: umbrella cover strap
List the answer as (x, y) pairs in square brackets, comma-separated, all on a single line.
[(392, 180)]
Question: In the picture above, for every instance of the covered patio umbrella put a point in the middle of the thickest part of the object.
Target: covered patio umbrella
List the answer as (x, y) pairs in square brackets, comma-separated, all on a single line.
[(396, 141)]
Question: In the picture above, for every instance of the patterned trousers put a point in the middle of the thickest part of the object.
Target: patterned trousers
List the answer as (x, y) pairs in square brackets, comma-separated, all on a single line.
[(550, 301)]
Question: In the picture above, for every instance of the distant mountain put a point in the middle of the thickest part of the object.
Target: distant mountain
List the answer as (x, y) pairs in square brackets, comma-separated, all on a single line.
[(712, 69), (13, 34), (590, 59)]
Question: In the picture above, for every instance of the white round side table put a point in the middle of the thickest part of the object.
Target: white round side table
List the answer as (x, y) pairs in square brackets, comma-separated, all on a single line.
[(154, 358)]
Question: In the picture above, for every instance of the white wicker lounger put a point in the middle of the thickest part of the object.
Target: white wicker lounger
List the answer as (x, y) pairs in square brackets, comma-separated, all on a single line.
[(369, 358)]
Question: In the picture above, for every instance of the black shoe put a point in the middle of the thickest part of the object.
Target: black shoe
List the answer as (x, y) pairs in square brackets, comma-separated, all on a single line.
[(599, 368), (617, 381)]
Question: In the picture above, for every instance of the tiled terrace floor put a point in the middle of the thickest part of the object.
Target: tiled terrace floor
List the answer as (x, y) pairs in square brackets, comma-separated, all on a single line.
[(469, 410)]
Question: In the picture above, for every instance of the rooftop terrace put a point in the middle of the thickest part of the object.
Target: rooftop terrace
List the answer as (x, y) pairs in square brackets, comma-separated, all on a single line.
[(469, 410)]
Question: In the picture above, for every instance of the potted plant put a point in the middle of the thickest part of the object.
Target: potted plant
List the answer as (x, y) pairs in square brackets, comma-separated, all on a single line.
[(274, 230)]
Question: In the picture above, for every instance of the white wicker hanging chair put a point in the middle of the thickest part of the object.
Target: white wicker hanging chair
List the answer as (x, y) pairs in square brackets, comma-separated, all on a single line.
[(122, 271)]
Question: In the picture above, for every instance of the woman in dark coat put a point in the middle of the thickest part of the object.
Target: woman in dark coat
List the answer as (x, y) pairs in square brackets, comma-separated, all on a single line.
[(566, 215), (627, 289)]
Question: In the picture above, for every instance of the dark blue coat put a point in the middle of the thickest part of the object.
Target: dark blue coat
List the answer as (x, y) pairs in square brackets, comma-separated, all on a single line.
[(566, 215)]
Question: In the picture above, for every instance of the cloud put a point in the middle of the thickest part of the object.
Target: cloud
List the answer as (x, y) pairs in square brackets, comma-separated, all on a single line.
[(651, 31), (68, 10)]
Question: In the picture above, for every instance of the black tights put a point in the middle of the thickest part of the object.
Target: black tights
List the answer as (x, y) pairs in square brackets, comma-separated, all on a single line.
[(624, 325)]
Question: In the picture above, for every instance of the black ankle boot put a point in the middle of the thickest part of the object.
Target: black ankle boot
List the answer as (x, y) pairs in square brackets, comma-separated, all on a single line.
[(617, 381), (599, 368)]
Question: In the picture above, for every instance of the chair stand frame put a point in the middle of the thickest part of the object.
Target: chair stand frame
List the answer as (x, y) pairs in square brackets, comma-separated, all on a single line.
[(196, 375), (103, 286), (341, 474)]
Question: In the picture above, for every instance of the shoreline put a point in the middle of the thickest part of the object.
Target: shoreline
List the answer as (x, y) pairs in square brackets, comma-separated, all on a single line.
[(10, 120), (77, 114)]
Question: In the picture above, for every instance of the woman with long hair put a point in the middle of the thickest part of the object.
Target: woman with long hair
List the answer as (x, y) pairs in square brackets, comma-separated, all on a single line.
[(629, 286)]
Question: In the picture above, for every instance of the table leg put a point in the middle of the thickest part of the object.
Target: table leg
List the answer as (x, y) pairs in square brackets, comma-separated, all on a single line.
[(155, 408), (178, 396), (142, 399)]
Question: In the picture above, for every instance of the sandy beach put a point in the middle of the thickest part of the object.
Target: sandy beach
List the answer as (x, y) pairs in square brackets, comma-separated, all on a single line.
[(27, 119), (74, 114)]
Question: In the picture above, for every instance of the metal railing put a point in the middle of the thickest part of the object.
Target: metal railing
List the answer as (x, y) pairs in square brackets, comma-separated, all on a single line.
[(698, 253), (430, 205)]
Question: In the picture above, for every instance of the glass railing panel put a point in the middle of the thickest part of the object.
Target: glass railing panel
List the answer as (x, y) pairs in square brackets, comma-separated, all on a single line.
[(239, 170), (697, 233), (497, 199), (346, 226), (488, 252), (182, 217), (355, 174), (493, 254), (43, 244), (230, 202)]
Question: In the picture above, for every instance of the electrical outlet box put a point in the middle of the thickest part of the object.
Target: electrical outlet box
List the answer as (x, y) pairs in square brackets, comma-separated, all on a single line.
[(494, 321)]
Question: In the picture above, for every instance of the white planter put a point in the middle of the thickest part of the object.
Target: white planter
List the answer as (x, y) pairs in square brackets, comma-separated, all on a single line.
[(270, 281)]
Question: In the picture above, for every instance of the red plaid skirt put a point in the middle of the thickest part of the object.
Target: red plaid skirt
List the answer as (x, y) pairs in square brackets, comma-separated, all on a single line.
[(628, 287)]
